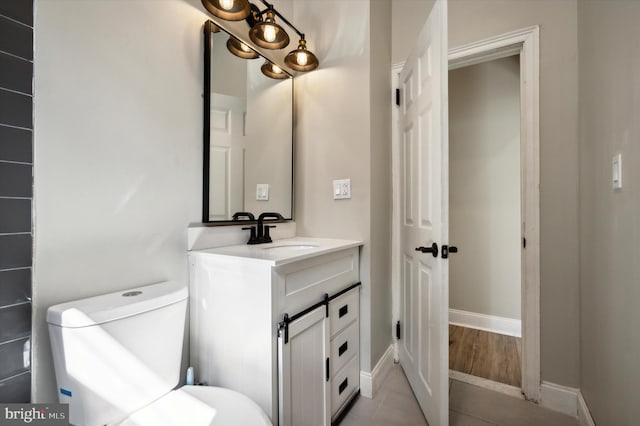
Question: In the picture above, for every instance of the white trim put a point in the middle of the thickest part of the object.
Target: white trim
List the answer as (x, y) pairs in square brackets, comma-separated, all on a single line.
[(491, 48), (370, 382), (492, 323), (395, 214), (559, 398), (486, 384), (584, 414)]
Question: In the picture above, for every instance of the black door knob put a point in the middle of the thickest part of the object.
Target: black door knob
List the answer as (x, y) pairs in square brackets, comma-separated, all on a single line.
[(433, 249)]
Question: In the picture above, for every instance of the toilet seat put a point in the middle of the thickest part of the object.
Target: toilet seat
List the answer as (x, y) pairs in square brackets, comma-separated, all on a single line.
[(200, 406)]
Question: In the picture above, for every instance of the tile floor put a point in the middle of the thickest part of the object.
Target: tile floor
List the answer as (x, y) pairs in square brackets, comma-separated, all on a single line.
[(469, 405)]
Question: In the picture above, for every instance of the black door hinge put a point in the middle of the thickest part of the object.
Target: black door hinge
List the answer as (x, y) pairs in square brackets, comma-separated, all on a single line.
[(524, 242), (398, 97), (398, 330)]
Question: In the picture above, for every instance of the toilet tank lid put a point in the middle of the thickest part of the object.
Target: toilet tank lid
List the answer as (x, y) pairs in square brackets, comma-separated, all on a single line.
[(117, 305)]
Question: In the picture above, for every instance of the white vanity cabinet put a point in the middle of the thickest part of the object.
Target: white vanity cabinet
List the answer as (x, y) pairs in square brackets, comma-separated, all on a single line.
[(318, 360), (238, 296)]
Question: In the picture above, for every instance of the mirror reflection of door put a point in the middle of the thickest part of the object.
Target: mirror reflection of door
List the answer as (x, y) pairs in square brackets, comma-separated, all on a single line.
[(226, 173), (251, 145)]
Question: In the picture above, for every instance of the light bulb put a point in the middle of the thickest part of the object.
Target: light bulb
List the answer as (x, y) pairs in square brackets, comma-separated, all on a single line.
[(276, 69), (269, 33), (301, 58), (226, 4), (244, 47)]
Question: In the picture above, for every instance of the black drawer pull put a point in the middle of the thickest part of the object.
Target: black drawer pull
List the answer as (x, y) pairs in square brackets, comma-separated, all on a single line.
[(343, 348), (343, 386), (343, 311)]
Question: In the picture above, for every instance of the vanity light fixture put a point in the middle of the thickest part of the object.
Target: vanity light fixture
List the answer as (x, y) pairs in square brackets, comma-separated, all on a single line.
[(268, 34), (301, 59), (240, 49), (265, 33), (229, 10), (272, 70)]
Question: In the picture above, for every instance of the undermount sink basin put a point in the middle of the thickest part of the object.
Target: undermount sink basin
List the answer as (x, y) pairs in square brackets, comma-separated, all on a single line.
[(291, 247)]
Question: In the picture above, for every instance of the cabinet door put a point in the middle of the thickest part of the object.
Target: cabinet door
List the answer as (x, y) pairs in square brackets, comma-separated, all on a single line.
[(303, 371)]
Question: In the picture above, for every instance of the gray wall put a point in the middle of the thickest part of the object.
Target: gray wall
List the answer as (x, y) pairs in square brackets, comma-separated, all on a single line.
[(380, 170), (610, 220), (343, 132), (472, 20), (484, 188), (118, 148), (16, 165)]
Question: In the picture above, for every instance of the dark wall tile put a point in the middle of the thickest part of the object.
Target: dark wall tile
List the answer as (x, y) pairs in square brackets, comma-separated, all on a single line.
[(15, 251), (16, 180), (12, 356), (16, 144), (15, 322), (20, 10), (15, 215), (15, 73), (16, 109), (15, 286), (16, 389), (16, 39)]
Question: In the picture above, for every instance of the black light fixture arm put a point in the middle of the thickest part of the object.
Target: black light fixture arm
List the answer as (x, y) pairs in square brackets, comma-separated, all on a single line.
[(285, 20)]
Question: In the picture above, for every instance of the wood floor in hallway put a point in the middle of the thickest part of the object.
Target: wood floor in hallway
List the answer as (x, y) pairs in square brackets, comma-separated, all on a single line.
[(484, 354)]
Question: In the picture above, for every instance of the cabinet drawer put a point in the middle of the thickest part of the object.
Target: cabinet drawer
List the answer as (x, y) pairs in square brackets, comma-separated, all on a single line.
[(307, 281), (344, 384), (344, 346), (343, 310)]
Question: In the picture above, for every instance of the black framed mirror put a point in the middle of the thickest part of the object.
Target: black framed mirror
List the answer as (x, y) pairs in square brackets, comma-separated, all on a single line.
[(248, 135)]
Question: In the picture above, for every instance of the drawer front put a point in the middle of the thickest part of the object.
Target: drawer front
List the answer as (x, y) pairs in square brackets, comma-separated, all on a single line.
[(344, 384), (344, 310), (344, 346), (302, 283)]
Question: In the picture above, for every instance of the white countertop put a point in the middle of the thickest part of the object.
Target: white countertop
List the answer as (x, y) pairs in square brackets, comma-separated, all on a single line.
[(284, 251)]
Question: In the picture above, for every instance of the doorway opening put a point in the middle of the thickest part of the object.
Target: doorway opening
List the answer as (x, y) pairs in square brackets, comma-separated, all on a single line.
[(485, 222), (525, 44)]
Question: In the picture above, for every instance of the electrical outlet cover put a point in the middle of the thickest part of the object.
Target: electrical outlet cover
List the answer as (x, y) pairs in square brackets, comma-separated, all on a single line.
[(262, 192), (341, 189)]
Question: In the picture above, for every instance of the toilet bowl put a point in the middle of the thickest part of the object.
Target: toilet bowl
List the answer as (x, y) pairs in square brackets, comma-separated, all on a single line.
[(199, 405), (117, 361)]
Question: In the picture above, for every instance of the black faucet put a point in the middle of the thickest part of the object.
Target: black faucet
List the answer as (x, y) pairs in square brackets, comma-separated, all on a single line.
[(260, 232), (248, 215)]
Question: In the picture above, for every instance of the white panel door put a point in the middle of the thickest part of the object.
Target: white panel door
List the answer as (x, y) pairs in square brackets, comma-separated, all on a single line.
[(226, 168), (423, 346), (304, 371)]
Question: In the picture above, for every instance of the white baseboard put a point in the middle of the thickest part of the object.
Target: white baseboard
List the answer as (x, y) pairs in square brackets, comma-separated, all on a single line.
[(584, 415), (370, 382), (559, 398), (494, 324)]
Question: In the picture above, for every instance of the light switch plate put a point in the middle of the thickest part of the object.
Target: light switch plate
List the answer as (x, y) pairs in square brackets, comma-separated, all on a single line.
[(262, 192), (341, 189), (616, 171)]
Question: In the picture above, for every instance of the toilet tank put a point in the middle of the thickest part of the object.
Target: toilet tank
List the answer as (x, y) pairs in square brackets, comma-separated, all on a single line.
[(113, 354)]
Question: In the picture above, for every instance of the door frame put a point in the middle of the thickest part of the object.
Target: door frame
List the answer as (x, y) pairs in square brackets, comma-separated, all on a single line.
[(524, 42)]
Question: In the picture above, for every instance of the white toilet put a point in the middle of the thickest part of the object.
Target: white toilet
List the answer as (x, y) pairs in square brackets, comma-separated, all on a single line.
[(117, 361)]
